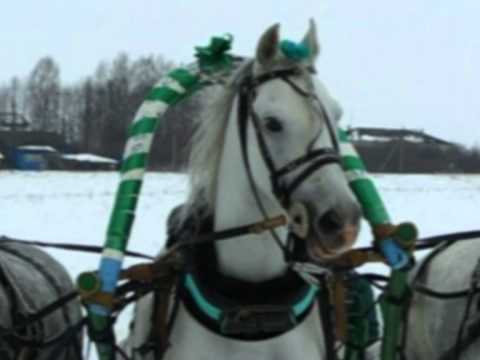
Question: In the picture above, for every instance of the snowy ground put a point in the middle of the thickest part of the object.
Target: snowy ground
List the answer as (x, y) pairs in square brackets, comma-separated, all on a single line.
[(75, 207)]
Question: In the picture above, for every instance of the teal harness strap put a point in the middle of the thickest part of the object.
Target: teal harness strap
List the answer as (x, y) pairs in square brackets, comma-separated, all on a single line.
[(215, 311), (302, 305), (203, 304)]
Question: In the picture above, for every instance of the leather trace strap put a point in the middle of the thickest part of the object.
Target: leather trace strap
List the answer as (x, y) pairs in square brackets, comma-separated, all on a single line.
[(268, 224)]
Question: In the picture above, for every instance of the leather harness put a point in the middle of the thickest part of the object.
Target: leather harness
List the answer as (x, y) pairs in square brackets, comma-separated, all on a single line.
[(231, 307)]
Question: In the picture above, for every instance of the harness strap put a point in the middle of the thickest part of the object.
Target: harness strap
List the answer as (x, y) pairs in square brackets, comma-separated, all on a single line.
[(215, 314), (327, 156), (70, 247), (473, 334), (268, 224), (311, 155), (243, 115), (161, 331), (56, 286), (326, 321), (47, 310), (339, 297)]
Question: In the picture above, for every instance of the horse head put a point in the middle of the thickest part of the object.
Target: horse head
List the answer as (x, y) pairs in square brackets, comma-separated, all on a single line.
[(292, 148)]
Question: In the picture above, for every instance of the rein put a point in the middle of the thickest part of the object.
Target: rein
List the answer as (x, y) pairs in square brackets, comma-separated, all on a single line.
[(147, 273)]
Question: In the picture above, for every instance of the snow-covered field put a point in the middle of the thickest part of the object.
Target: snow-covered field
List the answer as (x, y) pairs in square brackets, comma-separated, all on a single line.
[(75, 207)]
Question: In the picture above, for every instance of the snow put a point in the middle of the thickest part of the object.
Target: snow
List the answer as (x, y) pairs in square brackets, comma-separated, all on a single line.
[(37, 148), (372, 138), (89, 158), (75, 207)]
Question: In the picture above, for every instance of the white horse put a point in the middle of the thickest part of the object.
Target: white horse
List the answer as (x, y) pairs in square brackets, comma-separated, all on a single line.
[(434, 324), (294, 115), (30, 279)]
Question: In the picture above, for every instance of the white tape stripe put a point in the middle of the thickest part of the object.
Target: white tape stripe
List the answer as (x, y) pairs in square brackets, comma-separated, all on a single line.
[(174, 85), (347, 149), (112, 254), (353, 175), (151, 109), (138, 144), (135, 174)]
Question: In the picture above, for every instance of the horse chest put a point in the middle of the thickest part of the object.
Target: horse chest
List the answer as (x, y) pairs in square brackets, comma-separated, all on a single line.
[(190, 340)]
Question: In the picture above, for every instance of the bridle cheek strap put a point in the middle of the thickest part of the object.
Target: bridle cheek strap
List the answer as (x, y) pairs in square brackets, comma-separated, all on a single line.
[(329, 157), (244, 103), (312, 160)]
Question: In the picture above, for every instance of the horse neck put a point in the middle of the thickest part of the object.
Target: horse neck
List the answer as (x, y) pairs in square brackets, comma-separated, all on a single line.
[(255, 257)]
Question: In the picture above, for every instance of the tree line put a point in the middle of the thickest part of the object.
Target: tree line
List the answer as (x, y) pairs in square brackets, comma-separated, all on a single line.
[(93, 114), (399, 156)]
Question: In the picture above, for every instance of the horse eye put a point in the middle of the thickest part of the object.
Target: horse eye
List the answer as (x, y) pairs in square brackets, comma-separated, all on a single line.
[(273, 124)]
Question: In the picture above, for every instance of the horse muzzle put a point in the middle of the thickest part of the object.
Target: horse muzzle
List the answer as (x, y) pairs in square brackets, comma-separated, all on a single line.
[(327, 235)]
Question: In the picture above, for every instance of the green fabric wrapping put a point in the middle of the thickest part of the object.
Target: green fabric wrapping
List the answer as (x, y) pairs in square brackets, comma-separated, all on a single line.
[(393, 313), (372, 205), (122, 217), (146, 125), (167, 92), (184, 77), (363, 322), (362, 318), (178, 84), (134, 161)]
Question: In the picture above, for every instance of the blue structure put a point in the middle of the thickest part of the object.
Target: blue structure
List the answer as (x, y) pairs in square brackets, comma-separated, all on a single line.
[(31, 157), (31, 150)]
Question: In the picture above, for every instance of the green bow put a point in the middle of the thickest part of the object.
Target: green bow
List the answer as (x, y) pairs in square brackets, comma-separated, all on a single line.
[(215, 56)]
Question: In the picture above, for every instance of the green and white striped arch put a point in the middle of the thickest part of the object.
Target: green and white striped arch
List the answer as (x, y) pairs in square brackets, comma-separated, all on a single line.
[(361, 183)]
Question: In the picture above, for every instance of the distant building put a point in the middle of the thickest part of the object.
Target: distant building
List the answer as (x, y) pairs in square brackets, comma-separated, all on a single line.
[(23, 149), (33, 150), (36, 157), (405, 151), (88, 162), (27, 149), (382, 134)]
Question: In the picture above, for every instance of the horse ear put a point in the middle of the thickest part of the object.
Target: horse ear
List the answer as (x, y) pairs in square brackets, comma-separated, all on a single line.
[(310, 40), (267, 47)]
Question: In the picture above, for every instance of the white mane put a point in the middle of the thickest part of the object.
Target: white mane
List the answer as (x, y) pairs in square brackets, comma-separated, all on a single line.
[(207, 143)]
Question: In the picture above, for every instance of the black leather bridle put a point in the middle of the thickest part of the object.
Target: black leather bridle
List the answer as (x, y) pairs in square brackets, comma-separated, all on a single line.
[(313, 159)]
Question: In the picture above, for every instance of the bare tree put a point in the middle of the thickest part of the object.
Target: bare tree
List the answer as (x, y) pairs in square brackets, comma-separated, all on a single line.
[(71, 109), (15, 98), (4, 95), (43, 95)]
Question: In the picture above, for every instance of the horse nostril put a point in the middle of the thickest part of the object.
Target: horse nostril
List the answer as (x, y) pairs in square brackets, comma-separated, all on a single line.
[(330, 222)]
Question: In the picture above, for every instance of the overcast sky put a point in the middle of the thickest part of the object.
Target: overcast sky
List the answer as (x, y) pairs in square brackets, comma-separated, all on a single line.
[(406, 63)]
